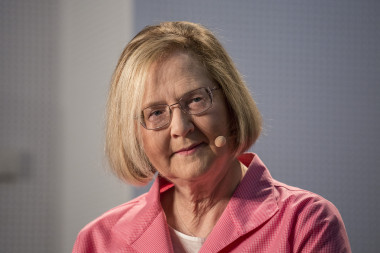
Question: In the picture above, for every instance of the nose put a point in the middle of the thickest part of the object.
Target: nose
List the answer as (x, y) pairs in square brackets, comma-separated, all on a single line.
[(181, 123)]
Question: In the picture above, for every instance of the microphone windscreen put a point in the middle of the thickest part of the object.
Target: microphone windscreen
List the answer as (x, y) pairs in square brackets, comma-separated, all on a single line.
[(220, 141)]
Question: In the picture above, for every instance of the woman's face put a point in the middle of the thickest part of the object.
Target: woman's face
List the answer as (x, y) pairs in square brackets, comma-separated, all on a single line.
[(185, 148)]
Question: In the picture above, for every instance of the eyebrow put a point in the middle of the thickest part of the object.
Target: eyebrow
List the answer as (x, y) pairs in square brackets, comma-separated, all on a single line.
[(152, 103), (155, 103)]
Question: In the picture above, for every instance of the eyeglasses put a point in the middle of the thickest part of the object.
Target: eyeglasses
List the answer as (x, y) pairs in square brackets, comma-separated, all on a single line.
[(194, 102)]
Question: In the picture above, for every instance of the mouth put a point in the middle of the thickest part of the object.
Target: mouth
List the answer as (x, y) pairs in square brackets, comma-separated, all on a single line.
[(188, 150)]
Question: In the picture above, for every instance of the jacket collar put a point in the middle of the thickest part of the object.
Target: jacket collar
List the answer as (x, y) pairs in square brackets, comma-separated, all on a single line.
[(251, 205), (149, 226)]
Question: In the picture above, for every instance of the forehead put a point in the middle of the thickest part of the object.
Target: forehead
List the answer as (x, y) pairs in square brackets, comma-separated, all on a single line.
[(173, 76)]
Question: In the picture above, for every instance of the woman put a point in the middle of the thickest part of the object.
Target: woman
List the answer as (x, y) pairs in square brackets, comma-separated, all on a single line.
[(178, 106)]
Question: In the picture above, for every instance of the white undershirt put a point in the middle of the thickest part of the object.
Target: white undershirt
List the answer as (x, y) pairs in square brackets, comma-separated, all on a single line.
[(185, 243)]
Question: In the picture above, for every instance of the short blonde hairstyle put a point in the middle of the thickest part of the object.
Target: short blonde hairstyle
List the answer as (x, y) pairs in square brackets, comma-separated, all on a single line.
[(123, 147)]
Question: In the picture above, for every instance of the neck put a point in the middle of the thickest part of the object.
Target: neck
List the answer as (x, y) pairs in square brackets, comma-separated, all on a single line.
[(195, 206)]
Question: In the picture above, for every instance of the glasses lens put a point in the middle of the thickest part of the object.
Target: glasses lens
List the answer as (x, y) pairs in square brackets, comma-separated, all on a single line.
[(196, 101), (193, 102), (156, 116)]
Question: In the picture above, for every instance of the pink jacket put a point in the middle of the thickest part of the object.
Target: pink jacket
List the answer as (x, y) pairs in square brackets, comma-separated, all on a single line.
[(263, 215)]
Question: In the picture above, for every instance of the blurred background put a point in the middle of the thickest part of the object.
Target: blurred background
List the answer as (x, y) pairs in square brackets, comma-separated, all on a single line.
[(312, 66)]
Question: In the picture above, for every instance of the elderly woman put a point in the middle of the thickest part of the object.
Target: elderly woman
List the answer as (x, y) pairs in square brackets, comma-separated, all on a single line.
[(179, 109)]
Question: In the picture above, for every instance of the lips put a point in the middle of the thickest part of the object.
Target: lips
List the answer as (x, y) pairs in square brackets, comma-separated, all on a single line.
[(188, 150)]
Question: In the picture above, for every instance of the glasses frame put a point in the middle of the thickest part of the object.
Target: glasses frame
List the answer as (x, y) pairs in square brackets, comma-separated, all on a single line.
[(210, 93)]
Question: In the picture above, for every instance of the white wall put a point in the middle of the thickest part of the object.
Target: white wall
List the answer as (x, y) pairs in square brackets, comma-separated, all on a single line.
[(28, 68), (91, 38)]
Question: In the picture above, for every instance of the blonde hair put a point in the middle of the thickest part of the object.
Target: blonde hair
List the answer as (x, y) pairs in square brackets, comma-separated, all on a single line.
[(123, 148)]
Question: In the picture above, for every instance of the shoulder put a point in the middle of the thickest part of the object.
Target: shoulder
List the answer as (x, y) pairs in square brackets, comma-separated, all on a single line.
[(127, 211), (305, 206), (316, 222), (303, 201), (100, 233), (286, 194)]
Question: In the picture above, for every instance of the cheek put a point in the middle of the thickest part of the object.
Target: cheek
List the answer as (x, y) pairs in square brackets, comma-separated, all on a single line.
[(155, 146), (221, 120), (148, 145)]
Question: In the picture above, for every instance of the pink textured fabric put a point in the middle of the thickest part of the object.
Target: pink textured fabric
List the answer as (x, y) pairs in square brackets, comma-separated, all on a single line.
[(263, 215)]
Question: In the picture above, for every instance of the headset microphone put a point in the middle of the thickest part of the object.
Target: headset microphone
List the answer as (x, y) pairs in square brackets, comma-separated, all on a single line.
[(220, 141)]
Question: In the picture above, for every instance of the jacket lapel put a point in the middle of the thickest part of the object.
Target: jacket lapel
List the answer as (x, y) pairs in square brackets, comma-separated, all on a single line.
[(252, 204), (155, 238), (148, 232)]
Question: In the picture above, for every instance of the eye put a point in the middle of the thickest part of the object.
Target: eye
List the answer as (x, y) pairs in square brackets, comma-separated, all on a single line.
[(155, 114), (195, 102), (196, 99)]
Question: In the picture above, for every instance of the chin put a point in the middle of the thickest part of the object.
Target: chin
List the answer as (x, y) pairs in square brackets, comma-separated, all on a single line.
[(192, 170)]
